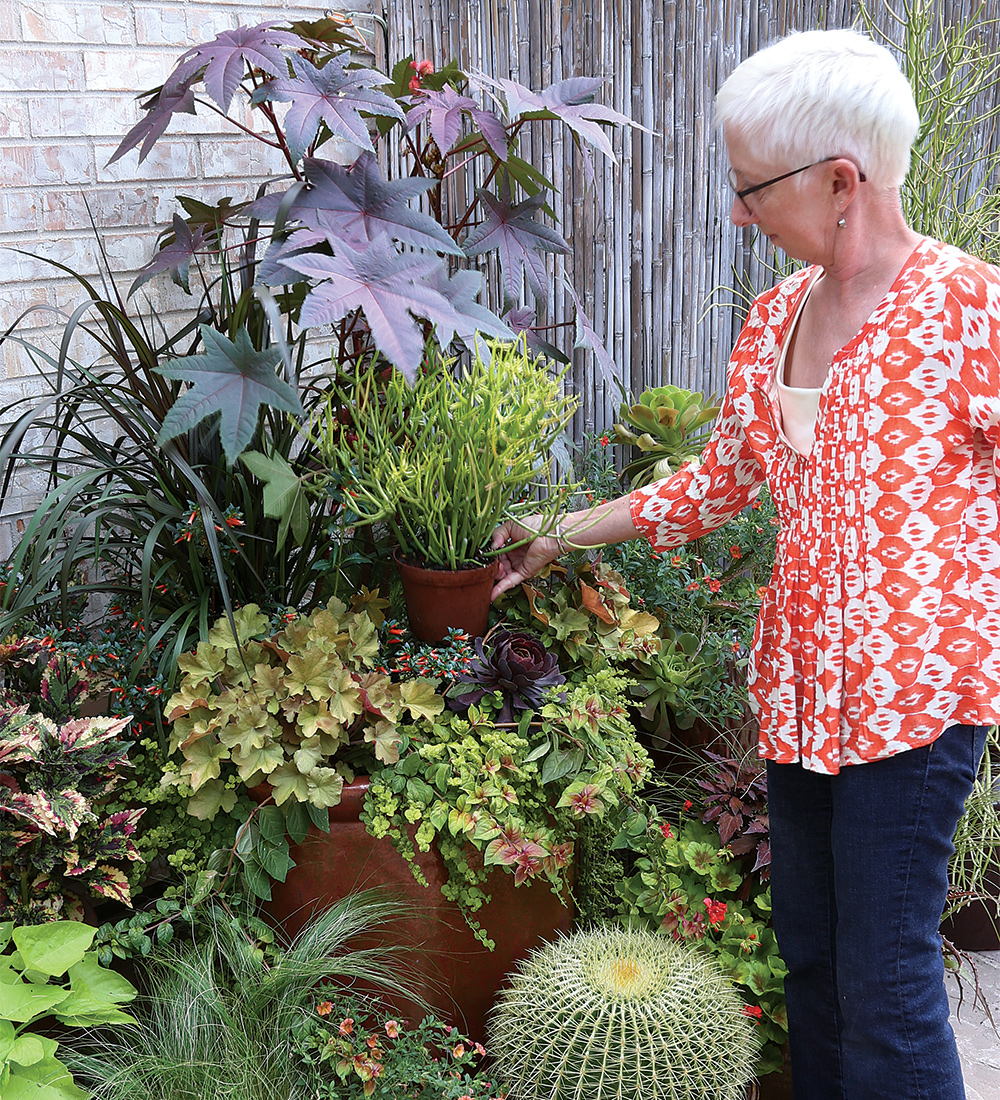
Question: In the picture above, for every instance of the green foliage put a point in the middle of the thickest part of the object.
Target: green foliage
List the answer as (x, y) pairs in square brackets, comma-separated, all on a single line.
[(951, 191), (977, 837), (673, 425), (510, 794), (623, 1014), (291, 709), (443, 461), (219, 1015), (352, 1048), (56, 838), (686, 885), (49, 970)]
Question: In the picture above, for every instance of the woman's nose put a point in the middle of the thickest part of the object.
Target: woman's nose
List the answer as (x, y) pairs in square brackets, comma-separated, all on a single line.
[(740, 215)]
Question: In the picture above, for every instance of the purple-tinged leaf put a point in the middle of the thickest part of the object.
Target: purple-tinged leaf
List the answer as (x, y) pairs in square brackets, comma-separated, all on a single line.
[(272, 270), (570, 101), (357, 204), (520, 239), (222, 63), (232, 379), (159, 111), (521, 321), (175, 257), (474, 320), (392, 290), (335, 95), (586, 337), (443, 112)]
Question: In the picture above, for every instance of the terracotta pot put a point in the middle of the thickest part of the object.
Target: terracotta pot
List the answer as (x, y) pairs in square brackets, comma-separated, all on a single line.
[(456, 974), (437, 599)]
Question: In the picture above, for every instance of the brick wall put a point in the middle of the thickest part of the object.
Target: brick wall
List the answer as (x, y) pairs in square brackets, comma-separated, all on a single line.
[(69, 73)]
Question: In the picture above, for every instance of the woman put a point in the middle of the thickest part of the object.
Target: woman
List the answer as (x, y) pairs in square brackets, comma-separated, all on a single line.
[(865, 390)]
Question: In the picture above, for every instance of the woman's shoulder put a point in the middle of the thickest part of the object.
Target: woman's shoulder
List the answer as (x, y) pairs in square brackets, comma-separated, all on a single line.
[(965, 275), (772, 306)]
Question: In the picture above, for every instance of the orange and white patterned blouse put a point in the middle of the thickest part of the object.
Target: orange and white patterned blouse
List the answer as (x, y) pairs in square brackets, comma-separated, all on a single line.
[(881, 624)]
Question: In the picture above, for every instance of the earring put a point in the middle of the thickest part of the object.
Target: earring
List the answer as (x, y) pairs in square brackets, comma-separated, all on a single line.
[(841, 222)]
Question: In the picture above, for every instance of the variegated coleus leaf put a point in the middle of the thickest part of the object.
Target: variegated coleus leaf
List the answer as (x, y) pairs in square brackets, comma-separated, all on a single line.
[(109, 882)]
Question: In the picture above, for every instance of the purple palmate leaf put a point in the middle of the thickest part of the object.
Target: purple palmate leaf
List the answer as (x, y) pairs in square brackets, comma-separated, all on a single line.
[(521, 320), (473, 320), (392, 290), (586, 337), (570, 101), (443, 111), (175, 257), (225, 59), (231, 379), (520, 239), (335, 95), (357, 204), (159, 111)]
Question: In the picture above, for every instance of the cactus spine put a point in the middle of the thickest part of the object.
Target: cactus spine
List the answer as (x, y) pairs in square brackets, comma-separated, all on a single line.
[(614, 1014)]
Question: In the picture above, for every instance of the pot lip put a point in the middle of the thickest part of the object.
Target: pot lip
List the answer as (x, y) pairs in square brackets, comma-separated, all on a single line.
[(418, 565)]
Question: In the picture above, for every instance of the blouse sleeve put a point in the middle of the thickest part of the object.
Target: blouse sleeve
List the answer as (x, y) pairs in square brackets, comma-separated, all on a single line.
[(702, 495), (972, 337)]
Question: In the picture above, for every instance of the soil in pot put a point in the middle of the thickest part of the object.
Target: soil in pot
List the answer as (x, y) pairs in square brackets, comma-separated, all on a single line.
[(450, 968), (437, 599)]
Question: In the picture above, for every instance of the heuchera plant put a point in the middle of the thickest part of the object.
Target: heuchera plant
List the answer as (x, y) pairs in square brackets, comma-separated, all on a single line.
[(54, 844), (347, 244)]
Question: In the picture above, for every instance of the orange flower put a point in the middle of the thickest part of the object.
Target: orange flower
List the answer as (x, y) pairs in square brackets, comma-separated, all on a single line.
[(392, 1029), (347, 1026), (325, 1008), (459, 1050)]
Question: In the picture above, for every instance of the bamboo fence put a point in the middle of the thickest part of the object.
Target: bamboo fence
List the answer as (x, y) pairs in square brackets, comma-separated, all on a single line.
[(655, 260)]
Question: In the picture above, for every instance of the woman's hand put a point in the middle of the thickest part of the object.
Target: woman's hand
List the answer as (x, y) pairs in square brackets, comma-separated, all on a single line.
[(520, 563)]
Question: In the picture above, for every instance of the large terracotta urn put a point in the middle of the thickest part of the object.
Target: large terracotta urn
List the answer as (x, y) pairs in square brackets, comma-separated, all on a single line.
[(456, 974)]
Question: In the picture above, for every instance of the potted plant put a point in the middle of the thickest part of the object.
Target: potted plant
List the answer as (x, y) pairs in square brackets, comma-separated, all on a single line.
[(475, 782), (442, 462)]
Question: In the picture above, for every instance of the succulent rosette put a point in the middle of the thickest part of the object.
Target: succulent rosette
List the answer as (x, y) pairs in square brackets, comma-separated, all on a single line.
[(513, 662)]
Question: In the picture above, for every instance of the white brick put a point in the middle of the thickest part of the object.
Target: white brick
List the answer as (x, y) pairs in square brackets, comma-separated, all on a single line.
[(125, 70), (239, 159), (180, 27), (51, 21), (79, 116), (37, 165), (109, 206), (18, 211), (41, 71), (13, 118), (10, 31), (167, 160)]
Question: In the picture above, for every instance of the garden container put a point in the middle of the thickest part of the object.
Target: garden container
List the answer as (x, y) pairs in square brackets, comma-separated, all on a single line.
[(976, 926), (437, 598), (452, 970)]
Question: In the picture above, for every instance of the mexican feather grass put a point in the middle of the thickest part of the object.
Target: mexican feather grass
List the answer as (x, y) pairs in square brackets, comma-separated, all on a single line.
[(217, 1020)]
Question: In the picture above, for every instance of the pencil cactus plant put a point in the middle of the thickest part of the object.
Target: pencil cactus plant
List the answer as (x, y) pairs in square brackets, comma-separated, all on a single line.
[(621, 1013)]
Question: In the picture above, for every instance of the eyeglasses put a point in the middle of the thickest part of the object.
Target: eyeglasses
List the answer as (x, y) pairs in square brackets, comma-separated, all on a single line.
[(742, 195)]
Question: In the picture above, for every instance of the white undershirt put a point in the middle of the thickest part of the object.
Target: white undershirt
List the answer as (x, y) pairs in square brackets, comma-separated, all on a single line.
[(798, 404)]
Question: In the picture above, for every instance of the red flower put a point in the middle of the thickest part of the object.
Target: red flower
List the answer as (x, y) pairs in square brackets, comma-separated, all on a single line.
[(666, 830), (605, 440), (716, 911), (693, 586), (754, 1012), (736, 552)]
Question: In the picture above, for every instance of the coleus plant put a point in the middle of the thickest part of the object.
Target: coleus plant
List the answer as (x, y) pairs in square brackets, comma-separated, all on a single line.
[(55, 846), (347, 244)]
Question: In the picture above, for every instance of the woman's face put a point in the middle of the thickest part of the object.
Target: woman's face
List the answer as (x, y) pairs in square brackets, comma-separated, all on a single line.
[(793, 213)]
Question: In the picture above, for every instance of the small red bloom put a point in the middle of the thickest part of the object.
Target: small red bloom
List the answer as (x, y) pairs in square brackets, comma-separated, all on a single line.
[(736, 552), (605, 440), (666, 830), (693, 586), (755, 1012), (687, 804)]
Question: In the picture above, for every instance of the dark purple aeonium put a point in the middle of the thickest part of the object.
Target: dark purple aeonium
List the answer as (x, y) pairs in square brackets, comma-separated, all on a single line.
[(516, 664)]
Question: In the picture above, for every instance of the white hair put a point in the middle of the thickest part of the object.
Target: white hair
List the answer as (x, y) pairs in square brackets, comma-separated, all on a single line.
[(818, 94)]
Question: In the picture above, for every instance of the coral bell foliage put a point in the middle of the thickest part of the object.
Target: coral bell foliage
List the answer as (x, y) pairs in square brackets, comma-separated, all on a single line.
[(624, 1014)]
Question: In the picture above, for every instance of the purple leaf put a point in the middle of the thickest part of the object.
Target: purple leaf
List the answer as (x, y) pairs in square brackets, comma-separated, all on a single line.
[(357, 204), (335, 95), (390, 289), (521, 321), (586, 337), (175, 257), (232, 379), (473, 318), (159, 111), (512, 230), (570, 101), (443, 110), (225, 60)]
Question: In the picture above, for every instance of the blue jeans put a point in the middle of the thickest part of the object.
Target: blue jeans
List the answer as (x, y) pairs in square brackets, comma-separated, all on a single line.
[(859, 877)]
